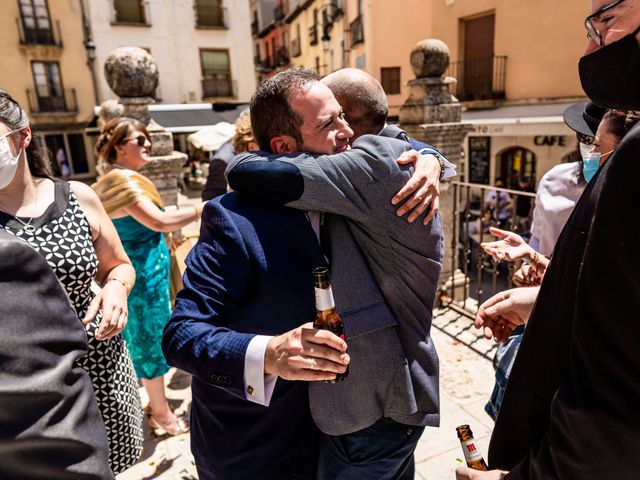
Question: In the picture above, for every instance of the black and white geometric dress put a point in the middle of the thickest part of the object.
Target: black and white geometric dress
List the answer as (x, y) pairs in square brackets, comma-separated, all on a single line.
[(63, 236)]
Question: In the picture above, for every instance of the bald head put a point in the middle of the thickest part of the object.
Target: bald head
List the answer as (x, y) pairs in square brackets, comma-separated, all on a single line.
[(362, 98)]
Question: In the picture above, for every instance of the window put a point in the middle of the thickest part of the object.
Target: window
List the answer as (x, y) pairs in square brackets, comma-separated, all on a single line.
[(49, 93), (129, 11), (216, 74), (67, 154), (390, 80), (36, 23), (209, 13)]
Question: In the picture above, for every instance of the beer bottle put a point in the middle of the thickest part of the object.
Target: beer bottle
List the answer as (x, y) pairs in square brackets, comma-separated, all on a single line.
[(327, 317), (470, 449)]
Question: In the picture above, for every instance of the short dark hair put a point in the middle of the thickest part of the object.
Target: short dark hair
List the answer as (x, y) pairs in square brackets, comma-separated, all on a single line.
[(271, 114)]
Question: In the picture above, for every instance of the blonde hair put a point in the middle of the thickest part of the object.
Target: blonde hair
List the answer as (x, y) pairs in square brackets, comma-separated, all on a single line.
[(244, 134)]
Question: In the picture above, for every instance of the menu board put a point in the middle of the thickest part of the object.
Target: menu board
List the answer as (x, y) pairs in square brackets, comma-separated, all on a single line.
[(479, 159)]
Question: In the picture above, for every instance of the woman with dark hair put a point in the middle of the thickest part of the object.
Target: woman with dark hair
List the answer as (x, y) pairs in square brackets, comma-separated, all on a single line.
[(134, 204), (67, 224)]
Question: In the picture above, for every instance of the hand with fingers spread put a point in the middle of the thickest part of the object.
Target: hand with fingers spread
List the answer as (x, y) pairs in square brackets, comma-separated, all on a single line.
[(112, 300), (505, 311), (306, 353), (510, 247), (424, 184), (466, 473)]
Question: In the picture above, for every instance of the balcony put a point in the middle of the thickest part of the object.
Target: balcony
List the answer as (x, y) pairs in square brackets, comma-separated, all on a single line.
[(278, 12), (211, 16), (39, 36), (282, 57), (357, 31), (296, 49), (65, 103), (477, 277), (479, 79), (313, 35), (212, 87)]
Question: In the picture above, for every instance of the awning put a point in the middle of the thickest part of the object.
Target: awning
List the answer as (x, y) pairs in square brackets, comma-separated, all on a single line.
[(187, 118), (547, 113)]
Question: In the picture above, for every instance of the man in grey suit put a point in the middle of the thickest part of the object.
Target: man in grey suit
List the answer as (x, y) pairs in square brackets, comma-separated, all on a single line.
[(384, 274), (50, 426)]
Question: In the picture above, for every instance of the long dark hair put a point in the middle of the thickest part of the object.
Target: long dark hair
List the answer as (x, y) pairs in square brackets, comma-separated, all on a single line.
[(15, 118)]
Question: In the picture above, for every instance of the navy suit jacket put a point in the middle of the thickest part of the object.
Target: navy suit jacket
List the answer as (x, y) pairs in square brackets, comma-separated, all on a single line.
[(250, 273)]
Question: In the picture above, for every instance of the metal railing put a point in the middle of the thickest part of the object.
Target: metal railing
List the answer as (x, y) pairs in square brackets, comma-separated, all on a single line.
[(313, 35), (357, 31), (39, 36), (208, 15), (476, 276), (479, 79), (278, 12), (212, 87), (64, 103), (296, 49)]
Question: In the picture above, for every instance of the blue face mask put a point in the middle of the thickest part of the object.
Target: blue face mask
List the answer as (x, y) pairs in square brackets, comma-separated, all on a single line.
[(590, 165)]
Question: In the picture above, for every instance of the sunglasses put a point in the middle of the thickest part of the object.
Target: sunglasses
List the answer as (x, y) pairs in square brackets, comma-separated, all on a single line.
[(140, 140), (589, 22)]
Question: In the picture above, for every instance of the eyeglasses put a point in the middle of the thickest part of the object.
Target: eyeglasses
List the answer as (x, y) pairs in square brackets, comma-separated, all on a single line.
[(140, 140), (589, 22)]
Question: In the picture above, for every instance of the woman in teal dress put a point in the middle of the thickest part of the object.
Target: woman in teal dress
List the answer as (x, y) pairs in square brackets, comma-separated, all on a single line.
[(137, 211)]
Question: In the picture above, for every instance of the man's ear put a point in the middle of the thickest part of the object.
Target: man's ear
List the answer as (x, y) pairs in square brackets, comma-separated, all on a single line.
[(284, 144)]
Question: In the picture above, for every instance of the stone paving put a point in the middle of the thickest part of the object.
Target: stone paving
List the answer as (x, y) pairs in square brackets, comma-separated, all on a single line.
[(466, 381)]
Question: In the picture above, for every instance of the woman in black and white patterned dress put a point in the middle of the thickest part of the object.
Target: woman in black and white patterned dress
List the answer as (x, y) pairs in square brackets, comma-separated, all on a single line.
[(66, 223)]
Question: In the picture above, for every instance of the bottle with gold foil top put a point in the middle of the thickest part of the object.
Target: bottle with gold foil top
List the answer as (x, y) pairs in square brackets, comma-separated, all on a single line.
[(472, 453), (327, 317)]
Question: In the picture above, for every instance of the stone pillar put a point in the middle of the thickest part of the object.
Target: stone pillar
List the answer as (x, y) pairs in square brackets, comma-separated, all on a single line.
[(132, 74), (432, 114)]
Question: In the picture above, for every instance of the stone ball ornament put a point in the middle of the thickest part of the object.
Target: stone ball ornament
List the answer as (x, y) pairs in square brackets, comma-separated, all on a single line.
[(430, 58), (131, 72)]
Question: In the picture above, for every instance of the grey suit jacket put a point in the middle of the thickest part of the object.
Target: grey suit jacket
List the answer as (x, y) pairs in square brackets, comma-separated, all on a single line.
[(384, 272), (50, 426)]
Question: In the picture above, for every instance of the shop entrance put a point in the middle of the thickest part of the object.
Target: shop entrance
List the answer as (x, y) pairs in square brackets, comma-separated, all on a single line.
[(516, 163)]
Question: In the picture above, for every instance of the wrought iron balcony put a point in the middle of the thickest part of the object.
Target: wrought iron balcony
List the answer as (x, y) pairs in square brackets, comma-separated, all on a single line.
[(479, 79), (313, 35), (212, 87), (211, 16), (357, 31), (39, 36), (66, 102)]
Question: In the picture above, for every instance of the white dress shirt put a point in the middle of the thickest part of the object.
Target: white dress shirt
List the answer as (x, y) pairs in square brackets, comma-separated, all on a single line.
[(557, 195)]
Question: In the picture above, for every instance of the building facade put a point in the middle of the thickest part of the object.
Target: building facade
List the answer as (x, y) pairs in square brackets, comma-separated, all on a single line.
[(202, 47), (515, 63), (44, 66)]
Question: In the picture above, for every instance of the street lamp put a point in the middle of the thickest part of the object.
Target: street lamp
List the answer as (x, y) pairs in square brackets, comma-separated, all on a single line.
[(326, 38)]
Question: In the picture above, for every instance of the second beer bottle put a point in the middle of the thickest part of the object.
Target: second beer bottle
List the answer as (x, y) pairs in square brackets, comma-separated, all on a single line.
[(327, 317)]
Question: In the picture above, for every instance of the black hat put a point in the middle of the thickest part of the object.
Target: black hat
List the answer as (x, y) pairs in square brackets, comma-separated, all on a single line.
[(584, 117)]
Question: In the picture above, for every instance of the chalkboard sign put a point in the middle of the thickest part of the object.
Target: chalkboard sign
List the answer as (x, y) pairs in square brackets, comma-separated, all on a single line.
[(479, 159)]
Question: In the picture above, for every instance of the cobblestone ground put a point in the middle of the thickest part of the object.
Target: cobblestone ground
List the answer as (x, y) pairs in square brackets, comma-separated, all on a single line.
[(466, 381)]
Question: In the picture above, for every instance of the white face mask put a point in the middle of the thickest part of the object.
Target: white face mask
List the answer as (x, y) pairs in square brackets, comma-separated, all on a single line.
[(8, 162)]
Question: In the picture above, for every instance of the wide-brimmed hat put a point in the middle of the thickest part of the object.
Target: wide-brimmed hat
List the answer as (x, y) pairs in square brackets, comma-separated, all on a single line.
[(584, 117)]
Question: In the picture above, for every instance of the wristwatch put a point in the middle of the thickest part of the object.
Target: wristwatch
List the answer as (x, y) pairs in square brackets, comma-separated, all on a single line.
[(441, 162)]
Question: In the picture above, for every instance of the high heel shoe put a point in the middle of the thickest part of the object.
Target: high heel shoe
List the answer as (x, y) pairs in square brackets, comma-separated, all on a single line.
[(182, 426)]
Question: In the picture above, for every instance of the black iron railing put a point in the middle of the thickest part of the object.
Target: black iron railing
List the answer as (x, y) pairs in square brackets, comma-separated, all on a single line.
[(479, 79), (213, 87), (39, 36), (65, 102), (313, 35), (477, 277), (357, 31)]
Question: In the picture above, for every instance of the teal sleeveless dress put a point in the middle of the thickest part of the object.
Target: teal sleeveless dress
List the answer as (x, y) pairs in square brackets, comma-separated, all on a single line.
[(149, 302)]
